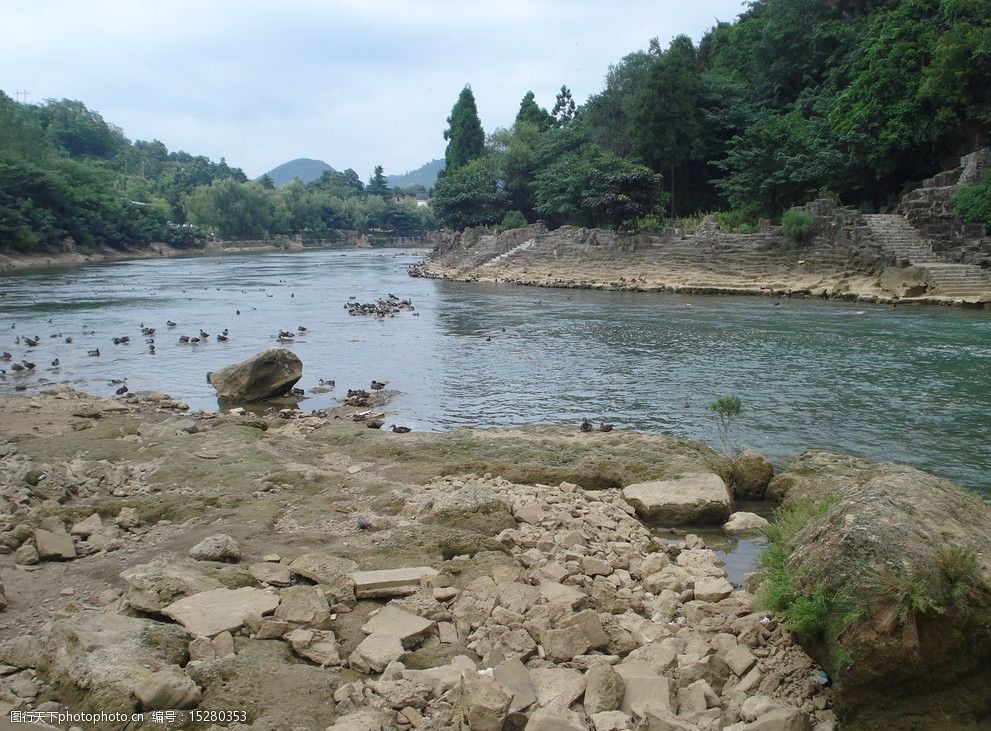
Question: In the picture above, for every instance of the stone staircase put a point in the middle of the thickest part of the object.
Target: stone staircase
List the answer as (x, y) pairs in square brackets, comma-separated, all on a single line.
[(896, 237), (507, 254), (899, 239)]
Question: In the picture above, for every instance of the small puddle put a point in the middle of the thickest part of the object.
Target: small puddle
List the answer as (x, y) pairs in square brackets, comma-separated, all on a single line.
[(738, 553)]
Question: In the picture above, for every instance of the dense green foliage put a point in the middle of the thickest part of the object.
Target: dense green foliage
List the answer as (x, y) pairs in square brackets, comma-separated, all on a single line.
[(464, 135), (973, 201), (796, 226), (67, 176), (797, 97)]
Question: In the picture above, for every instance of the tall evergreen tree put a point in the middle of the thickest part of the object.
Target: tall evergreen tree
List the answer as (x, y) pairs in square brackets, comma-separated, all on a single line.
[(266, 182), (564, 106), (464, 135), (378, 185), (530, 113)]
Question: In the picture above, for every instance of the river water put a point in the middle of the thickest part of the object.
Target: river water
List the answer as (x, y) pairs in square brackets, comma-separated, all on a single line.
[(907, 384)]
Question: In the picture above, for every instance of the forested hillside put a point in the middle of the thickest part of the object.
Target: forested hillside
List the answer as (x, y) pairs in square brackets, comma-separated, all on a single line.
[(858, 99), (69, 177), (304, 168)]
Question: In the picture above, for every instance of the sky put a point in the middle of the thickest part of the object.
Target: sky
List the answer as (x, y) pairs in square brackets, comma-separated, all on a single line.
[(352, 82)]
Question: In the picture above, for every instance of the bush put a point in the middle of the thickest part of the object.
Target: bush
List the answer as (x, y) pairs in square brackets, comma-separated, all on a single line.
[(513, 219), (973, 201), (796, 226), (738, 220)]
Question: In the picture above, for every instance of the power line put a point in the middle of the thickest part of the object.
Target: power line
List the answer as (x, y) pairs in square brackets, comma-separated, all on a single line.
[(21, 95)]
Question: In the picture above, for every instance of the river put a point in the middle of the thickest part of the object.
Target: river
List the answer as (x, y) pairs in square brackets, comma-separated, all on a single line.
[(906, 384)]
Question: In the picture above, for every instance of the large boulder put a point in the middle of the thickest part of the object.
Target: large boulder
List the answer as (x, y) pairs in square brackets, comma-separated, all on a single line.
[(155, 585), (701, 498), (751, 474), (475, 508), (270, 373), (898, 562)]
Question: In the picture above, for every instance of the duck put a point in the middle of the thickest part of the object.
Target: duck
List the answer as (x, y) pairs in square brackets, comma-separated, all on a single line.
[(331, 382), (31, 343), (222, 338), (302, 328), (170, 323), (16, 367), (204, 335), (225, 332), (94, 352), (377, 385), (28, 364), (586, 425), (68, 339), (147, 331), (194, 341), (6, 356), (400, 429), (55, 363), (605, 427), (123, 340), (183, 338), (151, 348), (121, 391)]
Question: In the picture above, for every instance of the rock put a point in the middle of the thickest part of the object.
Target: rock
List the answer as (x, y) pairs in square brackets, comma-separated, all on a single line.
[(751, 475), (98, 658), (84, 528), (270, 373), (475, 508), (604, 690), (220, 547), (695, 499), (740, 659), (659, 719), (266, 628), (26, 555), (745, 523), (167, 689), (485, 702), (23, 651), (266, 572), (375, 652), (317, 645), (331, 572), (128, 518), (211, 612), (153, 586), (303, 605), (712, 589), (408, 627), (389, 582), (611, 721), (780, 719), (561, 645), (514, 676), (54, 546), (881, 530), (557, 687), (644, 688), (548, 719)]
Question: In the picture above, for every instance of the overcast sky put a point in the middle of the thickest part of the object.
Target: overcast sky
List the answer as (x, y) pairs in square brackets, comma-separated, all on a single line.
[(351, 82)]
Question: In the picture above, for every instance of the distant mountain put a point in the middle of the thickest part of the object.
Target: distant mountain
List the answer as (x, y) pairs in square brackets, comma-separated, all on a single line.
[(425, 175), (302, 167)]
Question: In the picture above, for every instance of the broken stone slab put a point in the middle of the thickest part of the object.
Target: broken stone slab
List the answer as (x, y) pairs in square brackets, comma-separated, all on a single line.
[(317, 645), (153, 586), (375, 652), (557, 687), (701, 498), (610, 721), (408, 627), (89, 526), (54, 546), (712, 589), (740, 659), (564, 594), (303, 604), (555, 719), (484, 702), (323, 568), (266, 572), (443, 677), (266, 628), (644, 688), (604, 690), (561, 645), (389, 582), (660, 719), (514, 676), (211, 612)]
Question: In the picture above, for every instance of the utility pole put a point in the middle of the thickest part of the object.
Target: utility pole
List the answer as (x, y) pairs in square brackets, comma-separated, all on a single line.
[(21, 95)]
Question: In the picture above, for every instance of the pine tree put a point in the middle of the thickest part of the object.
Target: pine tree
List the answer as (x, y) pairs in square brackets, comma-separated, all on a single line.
[(378, 185), (564, 106), (464, 135), (266, 182)]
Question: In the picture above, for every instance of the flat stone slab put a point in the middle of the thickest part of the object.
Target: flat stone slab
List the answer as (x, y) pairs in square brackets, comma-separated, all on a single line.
[(220, 610), (408, 627), (389, 582), (645, 688), (267, 572), (322, 568), (701, 498), (51, 545)]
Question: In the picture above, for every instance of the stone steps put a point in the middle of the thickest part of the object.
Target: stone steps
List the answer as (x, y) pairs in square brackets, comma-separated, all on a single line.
[(506, 255), (897, 237)]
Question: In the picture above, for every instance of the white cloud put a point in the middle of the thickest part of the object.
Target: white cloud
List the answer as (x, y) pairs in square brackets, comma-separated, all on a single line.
[(352, 82)]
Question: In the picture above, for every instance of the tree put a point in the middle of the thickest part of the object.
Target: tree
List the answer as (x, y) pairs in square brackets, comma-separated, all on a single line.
[(266, 182), (464, 135), (470, 195), (532, 114), (592, 187), (378, 185), (564, 106), (726, 409), (230, 208)]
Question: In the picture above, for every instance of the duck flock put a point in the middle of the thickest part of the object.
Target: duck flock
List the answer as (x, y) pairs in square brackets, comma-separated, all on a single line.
[(388, 306)]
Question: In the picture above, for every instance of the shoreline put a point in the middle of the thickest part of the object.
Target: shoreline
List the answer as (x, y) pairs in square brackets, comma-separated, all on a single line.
[(861, 288)]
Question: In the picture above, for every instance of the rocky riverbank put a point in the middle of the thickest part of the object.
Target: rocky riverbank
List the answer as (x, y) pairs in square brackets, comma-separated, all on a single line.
[(706, 261), (305, 571)]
